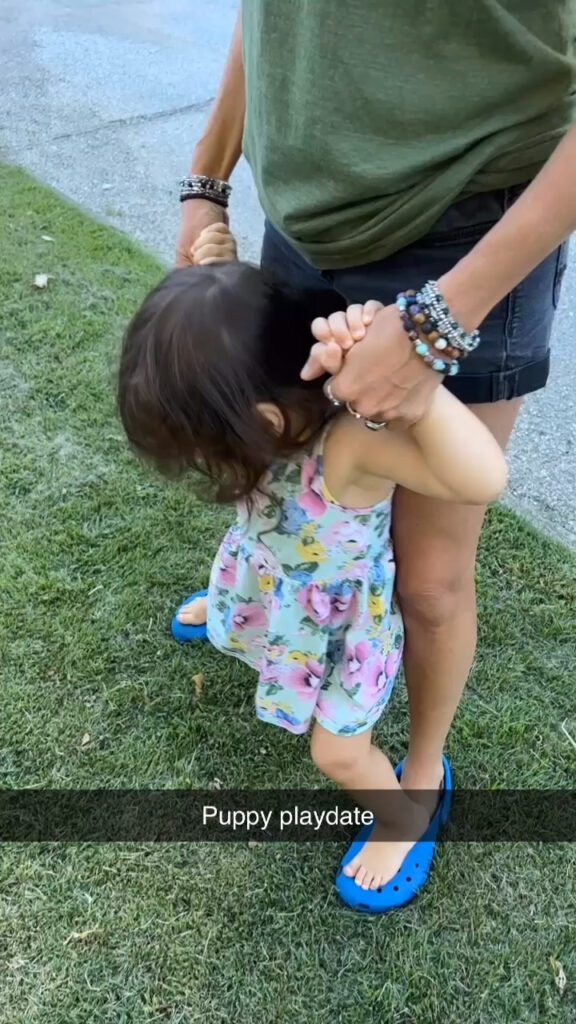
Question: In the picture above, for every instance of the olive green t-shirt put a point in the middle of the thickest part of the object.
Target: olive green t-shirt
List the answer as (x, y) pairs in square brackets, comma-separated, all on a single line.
[(366, 119)]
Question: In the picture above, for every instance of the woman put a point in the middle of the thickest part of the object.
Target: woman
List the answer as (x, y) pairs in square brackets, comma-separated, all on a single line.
[(391, 147)]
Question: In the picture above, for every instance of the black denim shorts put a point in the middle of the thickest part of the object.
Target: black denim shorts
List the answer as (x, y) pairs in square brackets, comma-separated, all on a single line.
[(513, 358)]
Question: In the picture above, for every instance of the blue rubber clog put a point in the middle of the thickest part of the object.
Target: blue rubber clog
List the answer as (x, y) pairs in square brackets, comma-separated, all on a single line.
[(416, 867), (187, 634)]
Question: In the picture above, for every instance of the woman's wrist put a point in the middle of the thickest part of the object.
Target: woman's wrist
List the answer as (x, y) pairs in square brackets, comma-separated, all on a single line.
[(468, 297), (200, 186), (214, 159), (437, 338)]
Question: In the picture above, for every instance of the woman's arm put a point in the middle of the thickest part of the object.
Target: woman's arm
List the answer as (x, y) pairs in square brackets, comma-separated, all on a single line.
[(383, 377), (219, 149), (536, 224), (449, 454)]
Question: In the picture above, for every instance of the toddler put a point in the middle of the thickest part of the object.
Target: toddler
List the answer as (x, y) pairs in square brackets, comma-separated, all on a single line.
[(302, 588)]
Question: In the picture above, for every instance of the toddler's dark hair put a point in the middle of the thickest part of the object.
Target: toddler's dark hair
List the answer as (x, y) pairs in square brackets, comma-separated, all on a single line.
[(207, 345)]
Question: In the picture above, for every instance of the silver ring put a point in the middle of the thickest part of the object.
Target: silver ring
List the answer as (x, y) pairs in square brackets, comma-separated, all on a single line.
[(353, 412), (327, 389), (375, 424)]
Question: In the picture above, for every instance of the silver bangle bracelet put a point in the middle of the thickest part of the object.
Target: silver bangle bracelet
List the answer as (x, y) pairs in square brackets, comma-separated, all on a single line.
[(201, 186), (431, 298)]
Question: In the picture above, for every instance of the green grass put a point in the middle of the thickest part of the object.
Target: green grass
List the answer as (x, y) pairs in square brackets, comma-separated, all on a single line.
[(95, 554)]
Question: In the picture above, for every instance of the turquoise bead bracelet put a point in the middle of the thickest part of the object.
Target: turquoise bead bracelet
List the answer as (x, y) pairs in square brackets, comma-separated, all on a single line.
[(414, 319)]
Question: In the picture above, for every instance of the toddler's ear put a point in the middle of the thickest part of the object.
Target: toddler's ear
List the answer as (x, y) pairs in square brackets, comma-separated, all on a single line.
[(272, 413)]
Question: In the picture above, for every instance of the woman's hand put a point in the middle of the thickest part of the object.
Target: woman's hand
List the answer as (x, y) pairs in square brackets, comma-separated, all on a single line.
[(383, 378), (197, 215)]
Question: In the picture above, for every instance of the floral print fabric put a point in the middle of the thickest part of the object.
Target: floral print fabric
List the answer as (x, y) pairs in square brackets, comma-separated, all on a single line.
[(302, 589)]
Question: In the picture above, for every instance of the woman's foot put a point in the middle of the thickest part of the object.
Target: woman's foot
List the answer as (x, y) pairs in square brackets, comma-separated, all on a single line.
[(195, 613), (422, 781), (381, 858), (362, 769)]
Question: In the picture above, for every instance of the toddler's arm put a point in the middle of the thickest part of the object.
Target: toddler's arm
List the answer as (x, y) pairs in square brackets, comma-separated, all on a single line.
[(449, 454), (460, 451)]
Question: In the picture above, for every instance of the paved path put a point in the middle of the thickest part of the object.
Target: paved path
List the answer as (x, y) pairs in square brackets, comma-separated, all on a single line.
[(103, 99)]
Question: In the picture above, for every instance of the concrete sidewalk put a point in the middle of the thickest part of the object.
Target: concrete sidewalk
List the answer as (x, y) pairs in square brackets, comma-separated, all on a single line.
[(104, 99)]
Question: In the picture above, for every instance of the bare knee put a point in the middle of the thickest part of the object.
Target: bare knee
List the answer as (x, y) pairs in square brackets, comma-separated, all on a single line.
[(435, 600), (337, 757)]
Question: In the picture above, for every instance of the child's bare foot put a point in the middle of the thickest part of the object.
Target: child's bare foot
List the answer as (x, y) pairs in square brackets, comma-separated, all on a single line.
[(367, 774), (195, 613), (381, 859)]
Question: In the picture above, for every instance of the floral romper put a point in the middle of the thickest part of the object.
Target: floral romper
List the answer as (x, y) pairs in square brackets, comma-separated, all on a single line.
[(302, 590)]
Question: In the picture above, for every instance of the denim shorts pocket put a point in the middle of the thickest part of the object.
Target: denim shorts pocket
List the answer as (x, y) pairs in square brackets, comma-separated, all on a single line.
[(531, 310), (468, 220)]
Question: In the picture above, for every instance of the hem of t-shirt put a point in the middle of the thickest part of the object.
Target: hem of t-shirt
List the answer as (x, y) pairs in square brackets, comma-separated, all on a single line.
[(345, 254), (353, 256)]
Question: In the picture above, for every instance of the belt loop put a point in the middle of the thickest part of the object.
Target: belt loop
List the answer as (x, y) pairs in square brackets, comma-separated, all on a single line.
[(500, 385)]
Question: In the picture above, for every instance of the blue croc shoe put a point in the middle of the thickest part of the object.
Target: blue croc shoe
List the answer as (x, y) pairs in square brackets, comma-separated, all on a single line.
[(187, 634), (416, 867)]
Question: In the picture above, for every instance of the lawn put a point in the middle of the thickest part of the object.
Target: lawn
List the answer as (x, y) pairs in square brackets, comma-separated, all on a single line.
[(95, 553)]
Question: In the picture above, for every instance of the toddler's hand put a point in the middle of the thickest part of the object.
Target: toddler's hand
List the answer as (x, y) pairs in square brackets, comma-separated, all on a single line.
[(216, 244), (335, 335)]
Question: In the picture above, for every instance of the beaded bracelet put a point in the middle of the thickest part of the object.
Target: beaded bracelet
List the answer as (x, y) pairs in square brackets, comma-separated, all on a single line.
[(439, 313), (422, 322), (414, 321), (207, 196)]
